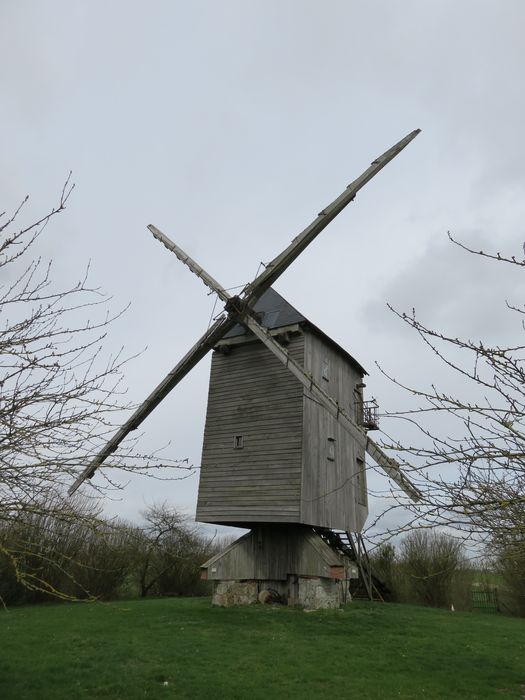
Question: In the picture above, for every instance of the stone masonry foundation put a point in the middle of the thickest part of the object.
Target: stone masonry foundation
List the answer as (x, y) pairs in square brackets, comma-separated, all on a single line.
[(309, 592)]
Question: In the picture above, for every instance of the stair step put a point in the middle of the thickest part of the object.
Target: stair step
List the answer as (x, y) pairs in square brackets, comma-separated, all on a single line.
[(368, 586)]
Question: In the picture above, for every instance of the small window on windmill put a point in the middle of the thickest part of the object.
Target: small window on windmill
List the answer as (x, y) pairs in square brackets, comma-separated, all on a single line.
[(325, 369), (331, 449), (360, 482), (238, 442)]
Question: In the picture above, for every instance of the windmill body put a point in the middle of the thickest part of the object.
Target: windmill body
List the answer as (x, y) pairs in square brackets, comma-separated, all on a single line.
[(271, 453)]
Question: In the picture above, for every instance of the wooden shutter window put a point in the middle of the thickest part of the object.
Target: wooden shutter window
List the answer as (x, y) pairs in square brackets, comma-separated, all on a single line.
[(331, 449), (238, 442)]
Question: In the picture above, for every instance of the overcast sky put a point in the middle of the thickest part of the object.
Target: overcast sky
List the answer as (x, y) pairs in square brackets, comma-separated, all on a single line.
[(229, 125)]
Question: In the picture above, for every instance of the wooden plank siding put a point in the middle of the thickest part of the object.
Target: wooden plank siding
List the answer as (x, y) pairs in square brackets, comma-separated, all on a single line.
[(330, 489), (274, 553), (297, 464), (251, 394)]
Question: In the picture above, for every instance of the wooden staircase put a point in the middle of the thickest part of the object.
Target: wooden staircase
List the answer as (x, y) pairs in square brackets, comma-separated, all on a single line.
[(352, 546)]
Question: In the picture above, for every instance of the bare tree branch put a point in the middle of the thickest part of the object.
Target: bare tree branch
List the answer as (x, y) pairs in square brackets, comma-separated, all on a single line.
[(58, 391), (468, 446)]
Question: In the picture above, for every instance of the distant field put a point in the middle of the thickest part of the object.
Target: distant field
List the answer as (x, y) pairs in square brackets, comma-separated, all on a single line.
[(184, 648)]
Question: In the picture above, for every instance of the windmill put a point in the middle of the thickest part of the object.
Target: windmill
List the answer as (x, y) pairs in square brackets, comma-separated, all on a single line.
[(285, 437)]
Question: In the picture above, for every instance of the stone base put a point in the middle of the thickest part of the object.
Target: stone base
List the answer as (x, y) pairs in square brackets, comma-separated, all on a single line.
[(309, 592), (319, 593), (228, 593)]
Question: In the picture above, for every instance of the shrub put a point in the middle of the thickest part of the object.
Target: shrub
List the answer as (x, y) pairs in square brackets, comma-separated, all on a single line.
[(429, 569), (510, 565), (383, 562), (64, 550)]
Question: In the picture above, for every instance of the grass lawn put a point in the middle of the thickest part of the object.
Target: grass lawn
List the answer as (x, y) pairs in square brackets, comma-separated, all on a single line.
[(184, 648)]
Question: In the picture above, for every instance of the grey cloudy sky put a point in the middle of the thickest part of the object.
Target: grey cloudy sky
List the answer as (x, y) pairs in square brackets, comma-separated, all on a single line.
[(230, 124)]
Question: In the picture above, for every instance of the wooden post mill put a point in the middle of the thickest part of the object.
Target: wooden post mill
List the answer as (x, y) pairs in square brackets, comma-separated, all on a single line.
[(287, 430)]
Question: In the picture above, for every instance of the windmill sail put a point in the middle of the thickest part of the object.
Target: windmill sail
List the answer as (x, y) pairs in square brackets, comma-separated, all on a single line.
[(250, 294), (181, 369), (276, 268)]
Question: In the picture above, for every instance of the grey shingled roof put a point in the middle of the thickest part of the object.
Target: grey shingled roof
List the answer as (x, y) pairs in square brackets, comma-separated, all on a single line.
[(275, 312)]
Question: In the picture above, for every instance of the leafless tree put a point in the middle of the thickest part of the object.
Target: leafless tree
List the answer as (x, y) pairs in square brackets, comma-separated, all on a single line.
[(468, 450), (169, 552), (58, 393)]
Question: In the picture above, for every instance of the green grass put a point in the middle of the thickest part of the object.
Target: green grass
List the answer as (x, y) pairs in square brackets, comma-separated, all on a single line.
[(184, 648)]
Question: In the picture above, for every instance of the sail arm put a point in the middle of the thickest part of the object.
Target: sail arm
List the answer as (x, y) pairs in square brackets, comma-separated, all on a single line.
[(181, 369), (276, 268), (389, 465)]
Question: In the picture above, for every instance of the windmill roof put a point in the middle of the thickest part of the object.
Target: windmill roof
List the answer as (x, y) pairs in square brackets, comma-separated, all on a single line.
[(275, 312)]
